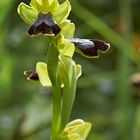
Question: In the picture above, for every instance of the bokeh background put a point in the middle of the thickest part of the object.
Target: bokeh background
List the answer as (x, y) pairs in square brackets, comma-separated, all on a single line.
[(108, 93)]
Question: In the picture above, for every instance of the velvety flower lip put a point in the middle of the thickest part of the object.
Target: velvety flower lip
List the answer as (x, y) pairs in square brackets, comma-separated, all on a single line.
[(44, 25), (90, 47), (31, 75)]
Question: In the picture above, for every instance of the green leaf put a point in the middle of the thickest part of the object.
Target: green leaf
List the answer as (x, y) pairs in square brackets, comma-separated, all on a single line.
[(67, 29), (66, 47), (27, 13), (62, 12), (41, 69), (68, 65), (69, 88)]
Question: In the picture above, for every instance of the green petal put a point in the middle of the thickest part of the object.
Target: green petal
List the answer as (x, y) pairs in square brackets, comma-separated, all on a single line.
[(60, 71), (67, 29), (40, 5), (45, 6), (62, 12), (27, 13), (53, 5), (41, 69), (65, 47)]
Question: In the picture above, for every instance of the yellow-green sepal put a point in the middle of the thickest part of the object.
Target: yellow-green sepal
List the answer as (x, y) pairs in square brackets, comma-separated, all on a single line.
[(53, 5), (42, 71), (65, 47), (67, 29), (27, 13), (62, 12)]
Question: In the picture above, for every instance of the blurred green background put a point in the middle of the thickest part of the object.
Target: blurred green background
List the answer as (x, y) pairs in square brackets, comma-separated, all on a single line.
[(108, 93)]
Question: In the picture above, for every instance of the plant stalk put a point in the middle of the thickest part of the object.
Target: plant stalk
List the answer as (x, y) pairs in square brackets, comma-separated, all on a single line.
[(52, 61)]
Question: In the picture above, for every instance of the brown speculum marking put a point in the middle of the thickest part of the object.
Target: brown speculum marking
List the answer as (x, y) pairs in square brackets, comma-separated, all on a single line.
[(44, 25)]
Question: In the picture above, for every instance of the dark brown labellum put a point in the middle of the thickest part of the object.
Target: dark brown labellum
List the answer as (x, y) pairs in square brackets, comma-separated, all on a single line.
[(32, 75), (44, 25), (90, 47)]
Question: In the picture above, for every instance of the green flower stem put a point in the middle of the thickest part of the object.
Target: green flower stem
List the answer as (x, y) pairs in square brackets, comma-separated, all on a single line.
[(56, 135), (63, 98), (52, 62), (69, 92)]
